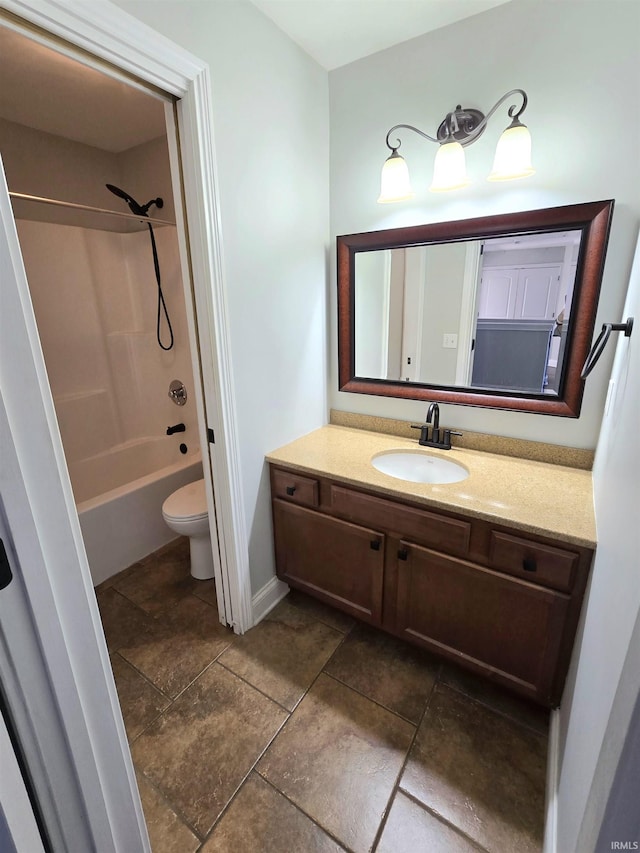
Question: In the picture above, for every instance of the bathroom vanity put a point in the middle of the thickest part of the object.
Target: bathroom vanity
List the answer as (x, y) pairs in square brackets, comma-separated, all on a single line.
[(489, 572)]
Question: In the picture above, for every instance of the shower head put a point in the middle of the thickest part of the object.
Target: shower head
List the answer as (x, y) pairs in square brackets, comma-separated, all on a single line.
[(134, 207)]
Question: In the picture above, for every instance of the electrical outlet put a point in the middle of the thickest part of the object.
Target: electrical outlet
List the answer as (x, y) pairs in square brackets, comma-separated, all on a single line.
[(449, 341)]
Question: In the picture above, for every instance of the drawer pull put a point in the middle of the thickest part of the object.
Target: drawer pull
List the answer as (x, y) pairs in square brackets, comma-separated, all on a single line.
[(374, 544), (291, 490), (529, 564), (403, 554)]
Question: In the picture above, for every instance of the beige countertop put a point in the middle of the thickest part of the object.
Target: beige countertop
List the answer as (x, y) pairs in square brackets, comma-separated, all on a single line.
[(550, 500)]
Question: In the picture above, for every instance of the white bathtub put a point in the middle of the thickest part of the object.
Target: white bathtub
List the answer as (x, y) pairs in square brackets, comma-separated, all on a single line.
[(119, 496)]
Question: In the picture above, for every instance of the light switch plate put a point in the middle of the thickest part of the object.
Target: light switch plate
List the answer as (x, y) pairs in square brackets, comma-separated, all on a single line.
[(449, 341)]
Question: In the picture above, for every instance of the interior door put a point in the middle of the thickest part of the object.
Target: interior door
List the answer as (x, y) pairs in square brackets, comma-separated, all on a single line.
[(54, 665), (18, 825)]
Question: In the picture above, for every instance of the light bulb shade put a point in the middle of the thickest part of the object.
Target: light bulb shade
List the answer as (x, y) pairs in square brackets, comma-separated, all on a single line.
[(513, 155), (394, 181), (449, 168)]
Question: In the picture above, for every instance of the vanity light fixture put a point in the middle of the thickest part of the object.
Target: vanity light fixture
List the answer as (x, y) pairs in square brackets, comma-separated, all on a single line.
[(461, 128)]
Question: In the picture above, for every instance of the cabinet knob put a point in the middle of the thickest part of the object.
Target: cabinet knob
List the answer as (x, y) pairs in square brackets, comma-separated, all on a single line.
[(403, 554), (291, 490), (374, 544), (529, 564)]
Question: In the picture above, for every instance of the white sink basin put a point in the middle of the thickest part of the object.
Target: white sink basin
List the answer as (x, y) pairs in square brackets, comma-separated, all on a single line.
[(416, 466)]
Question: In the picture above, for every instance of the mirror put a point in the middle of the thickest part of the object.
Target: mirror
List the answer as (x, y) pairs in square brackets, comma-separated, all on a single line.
[(497, 311)]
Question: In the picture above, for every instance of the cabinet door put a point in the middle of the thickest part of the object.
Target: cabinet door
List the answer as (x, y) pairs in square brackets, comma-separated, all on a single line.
[(519, 293), (497, 298), (339, 562), (537, 294), (502, 626)]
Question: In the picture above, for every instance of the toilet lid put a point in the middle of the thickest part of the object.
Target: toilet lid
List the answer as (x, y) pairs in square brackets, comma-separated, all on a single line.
[(189, 501)]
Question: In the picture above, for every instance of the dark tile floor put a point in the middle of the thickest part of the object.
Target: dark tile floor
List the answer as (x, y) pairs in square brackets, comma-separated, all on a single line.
[(311, 733)]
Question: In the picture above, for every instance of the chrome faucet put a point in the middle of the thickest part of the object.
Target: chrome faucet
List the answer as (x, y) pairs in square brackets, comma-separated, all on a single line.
[(443, 442)]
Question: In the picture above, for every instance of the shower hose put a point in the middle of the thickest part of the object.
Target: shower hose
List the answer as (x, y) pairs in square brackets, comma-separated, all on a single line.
[(162, 307)]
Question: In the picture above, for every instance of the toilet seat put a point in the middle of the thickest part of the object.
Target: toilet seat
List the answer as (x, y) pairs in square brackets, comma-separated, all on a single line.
[(189, 503)]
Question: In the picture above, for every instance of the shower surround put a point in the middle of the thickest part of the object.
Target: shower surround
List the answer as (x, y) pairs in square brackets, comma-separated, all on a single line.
[(94, 295)]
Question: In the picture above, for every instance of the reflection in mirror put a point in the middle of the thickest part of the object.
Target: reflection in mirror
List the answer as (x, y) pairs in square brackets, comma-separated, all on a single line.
[(488, 314), (497, 311)]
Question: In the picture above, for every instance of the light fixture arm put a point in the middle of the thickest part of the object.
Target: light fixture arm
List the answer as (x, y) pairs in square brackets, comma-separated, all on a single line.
[(463, 125), (394, 148), (513, 112)]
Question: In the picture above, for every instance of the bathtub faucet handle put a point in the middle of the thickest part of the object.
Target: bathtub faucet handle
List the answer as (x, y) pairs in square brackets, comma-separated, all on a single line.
[(176, 428)]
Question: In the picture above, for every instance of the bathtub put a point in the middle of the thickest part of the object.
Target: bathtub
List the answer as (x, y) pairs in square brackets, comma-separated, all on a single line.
[(119, 496)]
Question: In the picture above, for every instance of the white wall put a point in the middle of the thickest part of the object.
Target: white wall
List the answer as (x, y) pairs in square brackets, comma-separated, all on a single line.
[(270, 109), (372, 287), (443, 288), (39, 163), (604, 679), (578, 63)]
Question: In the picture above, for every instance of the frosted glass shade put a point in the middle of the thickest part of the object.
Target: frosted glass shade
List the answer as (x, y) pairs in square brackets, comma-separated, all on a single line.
[(394, 181), (513, 155), (449, 168)]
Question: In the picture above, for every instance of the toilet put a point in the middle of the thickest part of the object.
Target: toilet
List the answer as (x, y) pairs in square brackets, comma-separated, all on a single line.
[(185, 512)]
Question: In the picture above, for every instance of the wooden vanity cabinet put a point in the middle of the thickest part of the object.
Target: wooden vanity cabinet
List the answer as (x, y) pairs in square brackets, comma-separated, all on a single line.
[(502, 603)]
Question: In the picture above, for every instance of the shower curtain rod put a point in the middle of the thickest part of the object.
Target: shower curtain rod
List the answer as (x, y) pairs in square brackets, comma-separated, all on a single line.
[(72, 206)]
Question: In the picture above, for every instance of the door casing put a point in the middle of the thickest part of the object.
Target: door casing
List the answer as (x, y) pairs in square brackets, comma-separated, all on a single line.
[(66, 620)]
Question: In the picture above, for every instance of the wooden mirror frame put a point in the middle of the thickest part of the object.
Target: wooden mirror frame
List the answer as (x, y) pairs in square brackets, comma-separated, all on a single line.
[(592, 218)]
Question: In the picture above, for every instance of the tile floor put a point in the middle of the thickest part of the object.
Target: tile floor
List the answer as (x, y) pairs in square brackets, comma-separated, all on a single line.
[(311, 733)]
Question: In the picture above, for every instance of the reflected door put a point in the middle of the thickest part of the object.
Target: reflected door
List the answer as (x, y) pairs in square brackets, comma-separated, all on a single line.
[(498, 294), (537, 293), (520, 293)]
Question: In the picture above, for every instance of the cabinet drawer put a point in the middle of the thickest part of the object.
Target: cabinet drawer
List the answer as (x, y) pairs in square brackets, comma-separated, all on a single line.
[(553, 567), (426, 528), (294, 487)]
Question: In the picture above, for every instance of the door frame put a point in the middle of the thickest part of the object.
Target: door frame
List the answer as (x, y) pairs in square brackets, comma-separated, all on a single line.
[(46, 535), (112, 35), (468, 313)]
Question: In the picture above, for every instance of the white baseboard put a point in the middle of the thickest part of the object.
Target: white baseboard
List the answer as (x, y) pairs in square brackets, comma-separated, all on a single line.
[(266, 599), (553, 774)]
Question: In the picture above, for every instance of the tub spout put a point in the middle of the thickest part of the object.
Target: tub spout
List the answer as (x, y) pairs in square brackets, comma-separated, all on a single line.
[(176, 428)]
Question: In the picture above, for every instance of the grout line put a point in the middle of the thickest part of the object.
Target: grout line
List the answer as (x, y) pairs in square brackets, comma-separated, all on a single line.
[(213, 604), (165, 799), (203, 838), (148, 726), (441, 819), (281, 728), (246, 776), (145, 676), (306, 814), (375, 701), (396, 787), (199, 675), (486, 704), (257, 689), (315, 616)]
